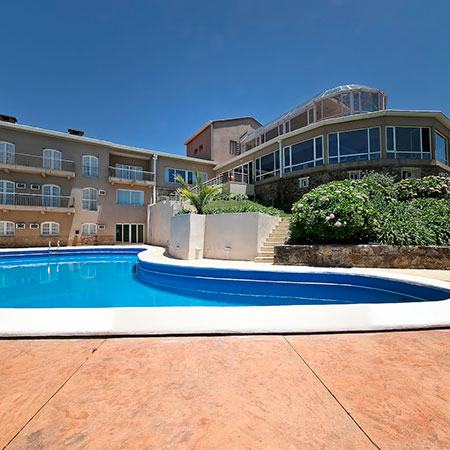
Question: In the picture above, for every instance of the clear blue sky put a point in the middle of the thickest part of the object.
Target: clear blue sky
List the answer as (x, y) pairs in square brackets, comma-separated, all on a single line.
[(149, 73)]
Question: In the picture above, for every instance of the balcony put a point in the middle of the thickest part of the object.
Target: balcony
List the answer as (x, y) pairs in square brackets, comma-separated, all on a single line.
[(21, 162), (36, 202), (131, 177)]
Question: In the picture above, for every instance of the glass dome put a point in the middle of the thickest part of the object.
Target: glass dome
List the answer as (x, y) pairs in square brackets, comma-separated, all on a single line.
[(345, 100)]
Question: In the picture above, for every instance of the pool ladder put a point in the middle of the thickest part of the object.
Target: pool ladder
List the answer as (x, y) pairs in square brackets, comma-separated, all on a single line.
[(50, 248)]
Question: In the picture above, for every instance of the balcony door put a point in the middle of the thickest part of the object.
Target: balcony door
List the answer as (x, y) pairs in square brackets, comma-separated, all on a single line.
[(52, 159), (51, 195), (129, 233), (7, 189), (7, 153)]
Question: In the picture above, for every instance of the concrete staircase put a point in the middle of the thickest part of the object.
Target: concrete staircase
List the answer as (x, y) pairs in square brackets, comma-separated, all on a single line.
[(278, 236)]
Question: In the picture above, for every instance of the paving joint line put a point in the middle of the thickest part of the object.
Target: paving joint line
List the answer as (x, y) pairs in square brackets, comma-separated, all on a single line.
[(93, 352), (329, 391)]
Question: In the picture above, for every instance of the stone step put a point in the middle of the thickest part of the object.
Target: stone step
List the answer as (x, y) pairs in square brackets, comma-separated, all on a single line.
[(266, 254), (276, 240), (262, 259)]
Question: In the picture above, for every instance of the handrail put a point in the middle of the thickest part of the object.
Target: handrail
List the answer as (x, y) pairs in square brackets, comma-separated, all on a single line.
[(19, 199), (131, 174), (24, 159)]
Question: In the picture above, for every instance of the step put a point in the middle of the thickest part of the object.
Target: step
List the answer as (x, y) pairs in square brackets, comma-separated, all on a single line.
[(266, 254), (262, 259), (276, 241)]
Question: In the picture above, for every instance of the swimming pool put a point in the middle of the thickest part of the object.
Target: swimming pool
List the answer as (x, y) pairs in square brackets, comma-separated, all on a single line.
[(138, 294)]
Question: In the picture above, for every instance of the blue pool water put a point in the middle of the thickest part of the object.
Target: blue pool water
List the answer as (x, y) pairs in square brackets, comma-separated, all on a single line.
[(103, 279)]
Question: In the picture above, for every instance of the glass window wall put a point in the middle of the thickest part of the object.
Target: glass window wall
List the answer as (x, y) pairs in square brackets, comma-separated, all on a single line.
[(303, 155), (267, 166), (408, 142), (441, 149)]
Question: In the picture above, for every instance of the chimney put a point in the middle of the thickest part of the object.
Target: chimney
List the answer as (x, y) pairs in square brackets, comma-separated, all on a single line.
[(75, 132), (9, 119)]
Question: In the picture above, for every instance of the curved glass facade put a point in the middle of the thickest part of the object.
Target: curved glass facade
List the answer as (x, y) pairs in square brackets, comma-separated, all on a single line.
[(340, 101)]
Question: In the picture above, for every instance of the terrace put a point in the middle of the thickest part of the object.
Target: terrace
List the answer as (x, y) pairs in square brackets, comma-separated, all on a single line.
[(375, 390)]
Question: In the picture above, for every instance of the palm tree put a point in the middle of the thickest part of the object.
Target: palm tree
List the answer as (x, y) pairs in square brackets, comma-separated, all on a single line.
[(203, 195)]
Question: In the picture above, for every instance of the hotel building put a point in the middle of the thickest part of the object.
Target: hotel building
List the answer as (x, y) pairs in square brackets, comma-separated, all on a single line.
[(66, 187)]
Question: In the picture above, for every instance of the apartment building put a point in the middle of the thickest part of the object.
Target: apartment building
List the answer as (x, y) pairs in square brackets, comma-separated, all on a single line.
[(76, 190)]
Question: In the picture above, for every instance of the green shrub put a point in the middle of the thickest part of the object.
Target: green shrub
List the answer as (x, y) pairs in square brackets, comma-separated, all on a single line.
[(226, 195), (416, 222), (427, 187), (337, 212), (237, 206)]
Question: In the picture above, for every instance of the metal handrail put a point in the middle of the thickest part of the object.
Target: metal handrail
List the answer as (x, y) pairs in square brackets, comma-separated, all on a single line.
[(10, 198), (23, 159), (131, 174)]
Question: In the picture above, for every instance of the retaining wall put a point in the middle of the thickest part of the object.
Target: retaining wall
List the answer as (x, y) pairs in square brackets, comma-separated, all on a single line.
[(387, 256)]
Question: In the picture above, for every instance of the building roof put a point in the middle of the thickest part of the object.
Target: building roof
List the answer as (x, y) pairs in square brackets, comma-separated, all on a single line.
[(207, 124), (308, 104), (100, 142)]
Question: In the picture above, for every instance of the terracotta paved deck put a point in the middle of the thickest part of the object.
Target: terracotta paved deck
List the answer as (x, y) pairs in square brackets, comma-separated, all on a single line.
[(346, 391)]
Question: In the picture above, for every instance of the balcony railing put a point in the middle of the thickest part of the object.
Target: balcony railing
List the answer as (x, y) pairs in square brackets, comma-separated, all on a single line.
[(44, 201), (22, 159), (132, 175)]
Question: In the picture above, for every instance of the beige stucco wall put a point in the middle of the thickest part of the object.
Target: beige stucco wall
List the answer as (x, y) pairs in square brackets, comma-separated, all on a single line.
[(237, 236), (187, 234), (226, 131), (203, 139)]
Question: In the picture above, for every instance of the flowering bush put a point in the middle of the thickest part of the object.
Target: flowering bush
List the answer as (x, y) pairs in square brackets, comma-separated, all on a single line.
[(336, 212), (428, 187)]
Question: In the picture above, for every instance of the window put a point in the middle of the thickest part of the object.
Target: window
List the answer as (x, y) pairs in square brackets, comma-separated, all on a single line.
[(51, 195), (90, 166), (303, 155), (267, 166), (6, 229), (7, 189), (233, 147), (410, 173), (7, 153), (240, 174), (303, 182), (129, 172), (170, 176), (21, 186), (354, 174), (50, 229), (89, 229), (407, 142), (357, 145), (441, 149), (130, 232), (35, 187), (125, 197), (34, 226), (52, 159), (89, 199), (20, 226)]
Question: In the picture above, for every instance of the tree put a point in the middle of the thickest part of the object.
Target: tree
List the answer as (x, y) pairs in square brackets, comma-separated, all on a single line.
[(201, 195)]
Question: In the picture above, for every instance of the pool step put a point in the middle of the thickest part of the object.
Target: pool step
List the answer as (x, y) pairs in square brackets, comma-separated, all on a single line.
[(278, 236)]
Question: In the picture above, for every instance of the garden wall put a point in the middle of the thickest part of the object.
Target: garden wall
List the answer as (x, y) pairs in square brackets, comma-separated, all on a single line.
[(397, 257)]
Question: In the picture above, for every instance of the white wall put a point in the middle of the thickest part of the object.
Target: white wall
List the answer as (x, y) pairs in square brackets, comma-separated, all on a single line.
[(160, 215), (237, 236), (187, 236)]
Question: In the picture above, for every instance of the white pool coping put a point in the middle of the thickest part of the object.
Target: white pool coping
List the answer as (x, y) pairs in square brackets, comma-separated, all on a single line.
[(230, 320)]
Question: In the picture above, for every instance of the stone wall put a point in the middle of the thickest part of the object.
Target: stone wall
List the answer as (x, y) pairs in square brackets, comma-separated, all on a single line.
[(397, 257), (286, 190), (33, 241)]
